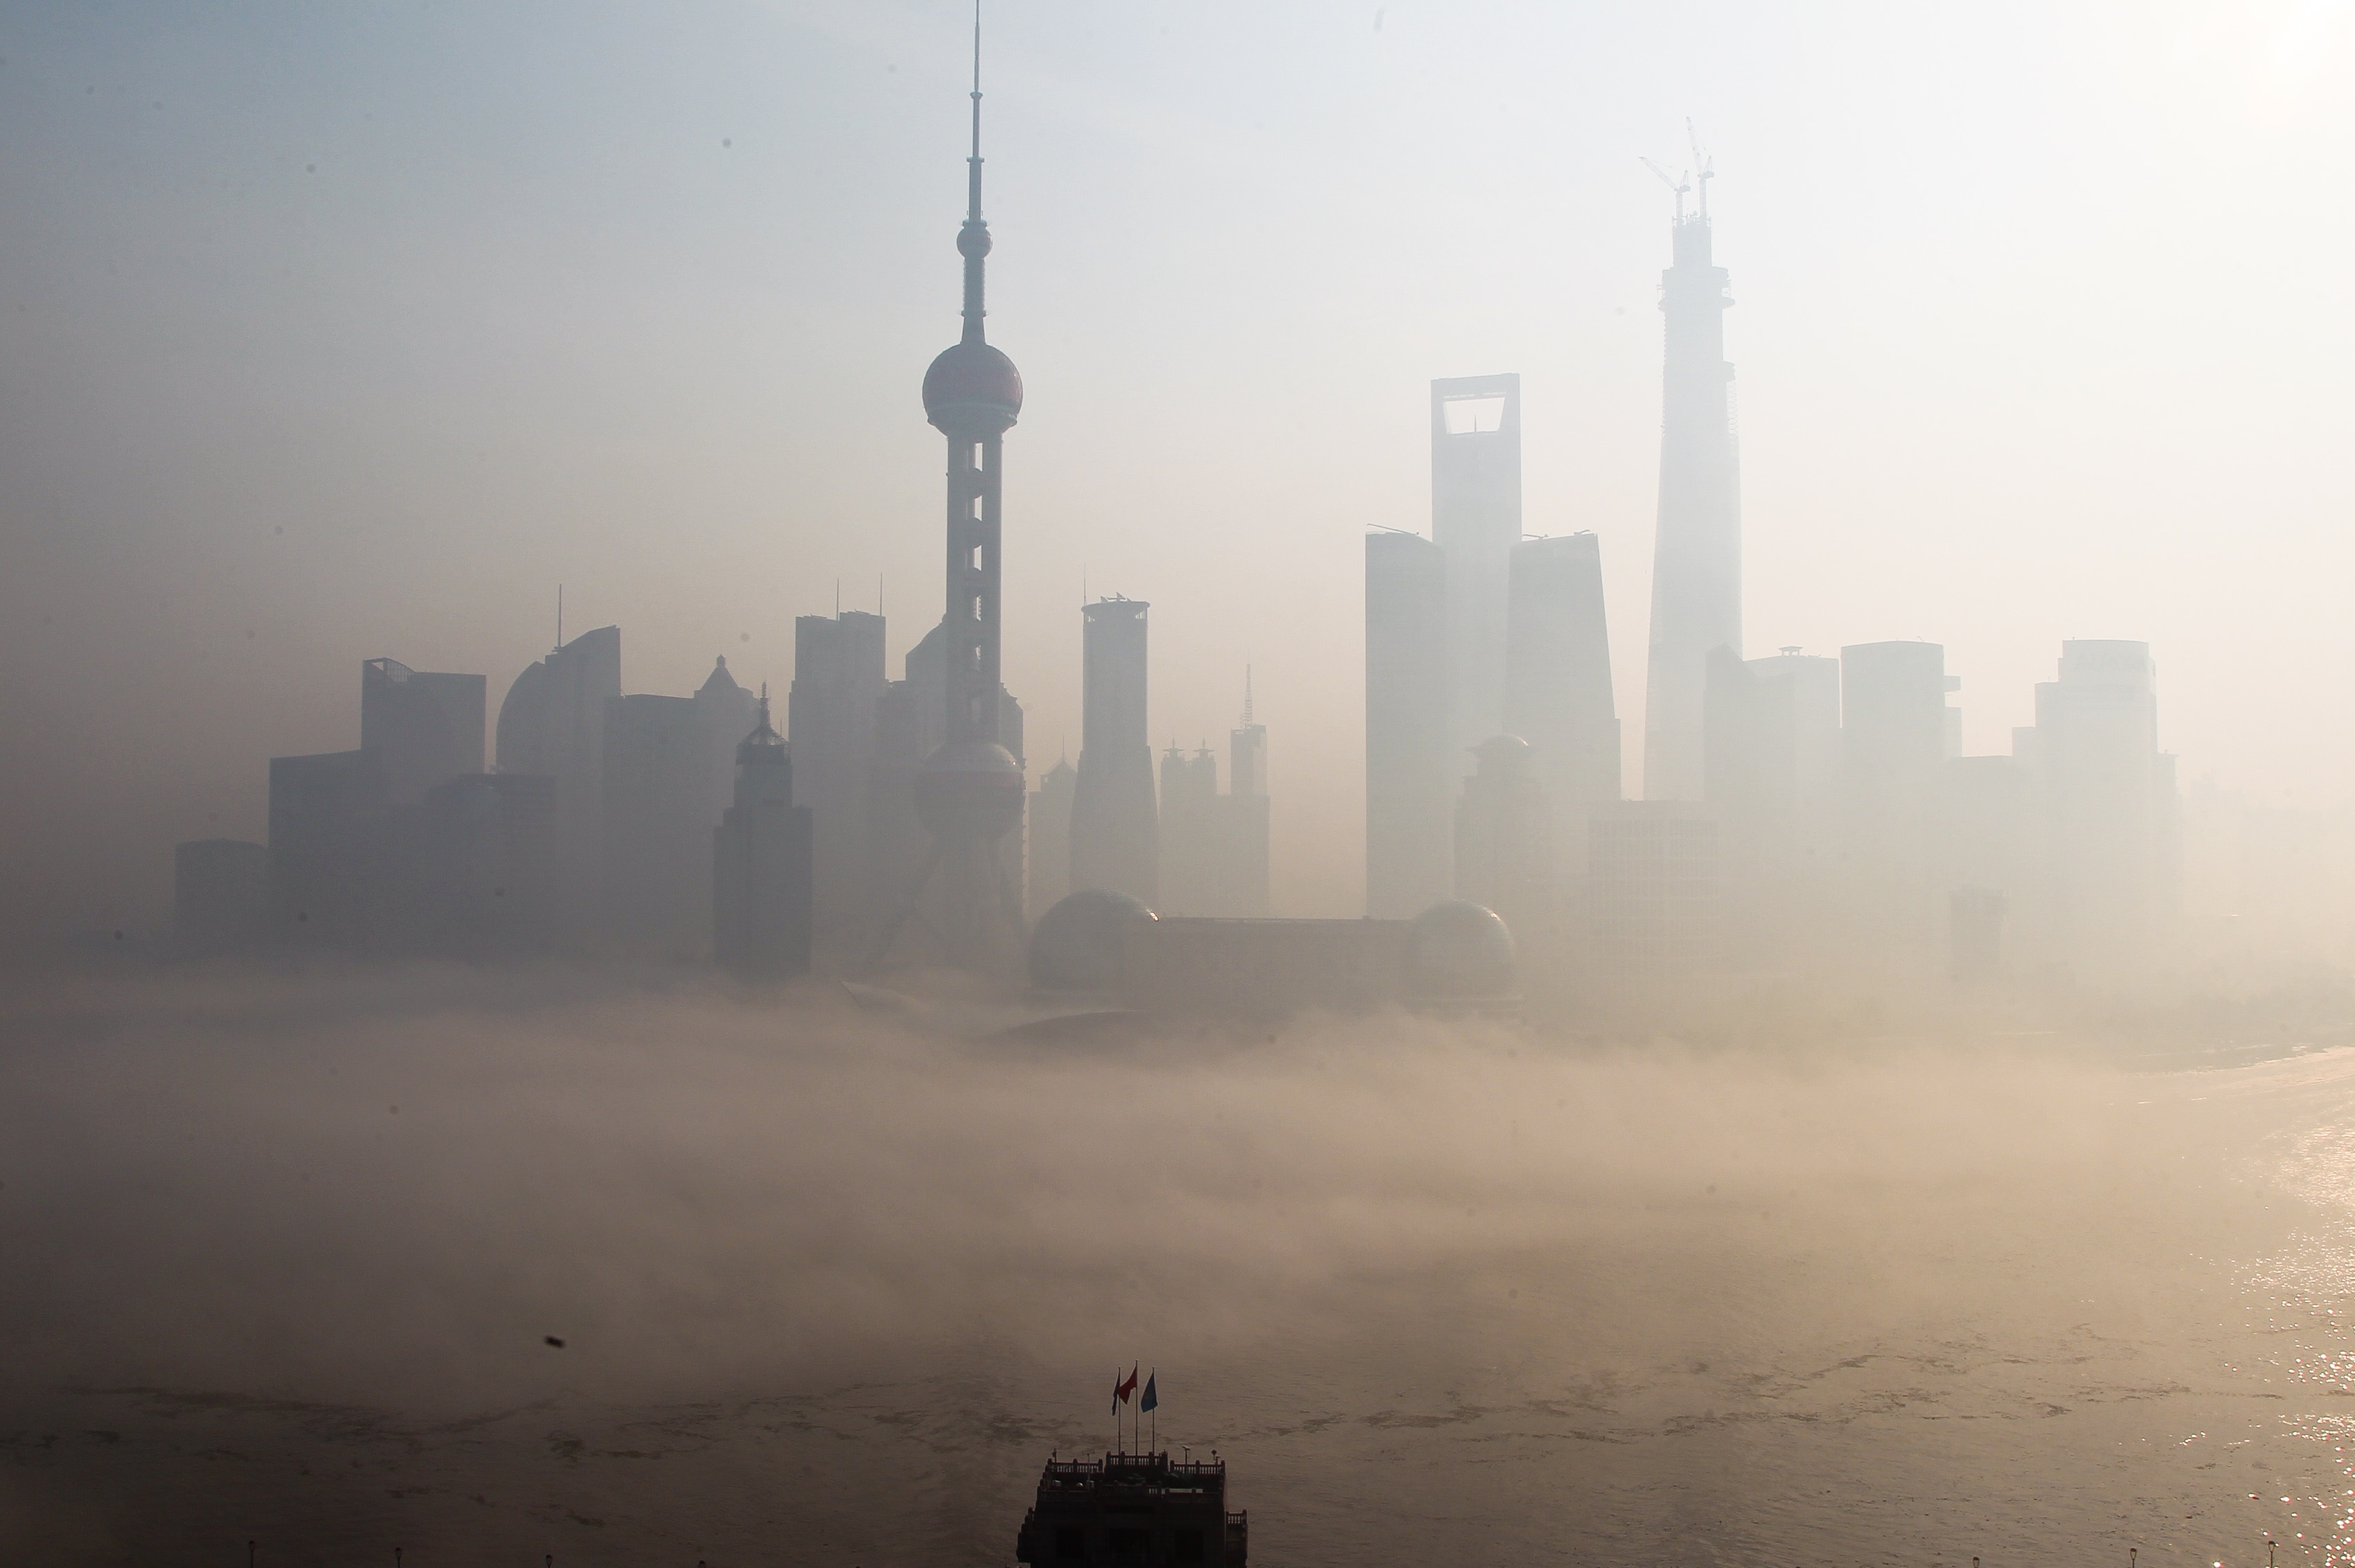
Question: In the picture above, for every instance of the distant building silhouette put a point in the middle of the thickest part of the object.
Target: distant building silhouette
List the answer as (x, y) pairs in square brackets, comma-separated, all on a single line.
[(654, 796), (762, 864), (928, 678), (666, 780), (1115, 834), (1504, 842), (329, 862), (839, 678), (1893, 741), (897, 846), (1476, 519), (487, 852), (552, 725), (1409, 773), (1213, 846), (1989, 862), (1247, 748), (426, 727), (469, 871), (1772, 778), (1244, 842), (1049, 880), (1696, 550), (1654, 901), (728, 713), (1558, 693), (2110, 796), (221, 894), (1190, 801), (1975, 922)]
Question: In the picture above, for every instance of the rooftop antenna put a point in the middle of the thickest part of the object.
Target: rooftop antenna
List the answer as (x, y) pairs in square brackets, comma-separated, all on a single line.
[(1247, 697), (1666, 180), (1701, 161), (973, 240), (559, 615), (973, 163)]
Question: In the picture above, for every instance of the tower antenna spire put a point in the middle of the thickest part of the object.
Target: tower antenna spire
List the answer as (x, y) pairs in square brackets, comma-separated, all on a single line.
[(1247, 697), (973, 239), (973, 164)]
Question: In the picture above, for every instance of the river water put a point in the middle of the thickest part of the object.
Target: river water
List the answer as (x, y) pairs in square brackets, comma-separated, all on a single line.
[(282, 1263)]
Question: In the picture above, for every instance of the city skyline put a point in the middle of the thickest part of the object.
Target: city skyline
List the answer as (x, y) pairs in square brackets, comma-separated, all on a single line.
[(453, 559), (1570, 966)]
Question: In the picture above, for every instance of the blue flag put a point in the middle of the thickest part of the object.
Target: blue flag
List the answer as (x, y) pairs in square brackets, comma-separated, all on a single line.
[(1151, 1398)]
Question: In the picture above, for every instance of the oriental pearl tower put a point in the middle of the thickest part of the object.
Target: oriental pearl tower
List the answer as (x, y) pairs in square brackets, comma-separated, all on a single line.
[(969, 794)]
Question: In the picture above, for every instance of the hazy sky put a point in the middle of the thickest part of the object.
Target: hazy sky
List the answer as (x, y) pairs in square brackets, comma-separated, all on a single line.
[(332, 333)]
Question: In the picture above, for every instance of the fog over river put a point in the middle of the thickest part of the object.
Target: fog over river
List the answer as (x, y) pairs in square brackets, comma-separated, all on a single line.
[(283, 1252)]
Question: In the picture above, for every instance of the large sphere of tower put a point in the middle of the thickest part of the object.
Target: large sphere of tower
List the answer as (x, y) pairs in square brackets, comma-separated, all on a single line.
[(973, 389)]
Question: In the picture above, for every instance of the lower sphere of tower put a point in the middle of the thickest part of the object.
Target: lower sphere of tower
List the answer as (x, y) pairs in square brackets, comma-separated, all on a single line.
[(969, 792)]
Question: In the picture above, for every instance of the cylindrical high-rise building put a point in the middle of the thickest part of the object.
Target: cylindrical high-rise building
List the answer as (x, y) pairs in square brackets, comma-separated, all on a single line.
[(1116, 828)]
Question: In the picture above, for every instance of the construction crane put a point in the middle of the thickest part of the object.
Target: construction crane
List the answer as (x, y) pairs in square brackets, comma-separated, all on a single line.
[(1704, 162), (1668, 180)]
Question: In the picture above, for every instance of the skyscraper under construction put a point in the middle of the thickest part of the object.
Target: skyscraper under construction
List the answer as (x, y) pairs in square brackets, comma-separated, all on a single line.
[(1697, 552)]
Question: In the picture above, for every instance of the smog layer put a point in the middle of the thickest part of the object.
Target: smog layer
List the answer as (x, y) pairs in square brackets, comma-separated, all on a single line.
[(287, 1252)]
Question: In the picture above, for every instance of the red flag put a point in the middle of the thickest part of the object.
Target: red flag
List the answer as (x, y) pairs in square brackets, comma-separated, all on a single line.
[(1126, 1386)]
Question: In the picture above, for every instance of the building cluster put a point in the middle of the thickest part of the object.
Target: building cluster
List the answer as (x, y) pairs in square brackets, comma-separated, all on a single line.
[(890, 821), (663, 826), (651, 826), (1189, 848), (1795, 808)]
